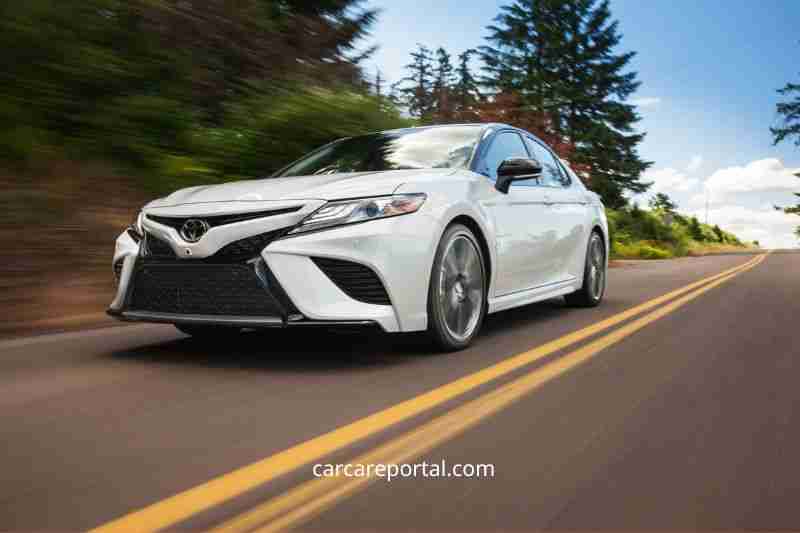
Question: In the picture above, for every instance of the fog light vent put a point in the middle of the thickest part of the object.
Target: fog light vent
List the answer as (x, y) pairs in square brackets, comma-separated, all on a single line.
[(357, 281)]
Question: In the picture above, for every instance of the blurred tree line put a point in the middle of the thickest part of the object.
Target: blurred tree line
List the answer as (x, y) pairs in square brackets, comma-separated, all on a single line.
[(187, 91)]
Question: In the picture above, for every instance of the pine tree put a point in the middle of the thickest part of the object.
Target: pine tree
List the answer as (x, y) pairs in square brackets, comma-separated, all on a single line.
[(663, 202), (466, 92), (558, 55), (790, 111), (417, 91), (378, 85), (442, 87), (790, 128)]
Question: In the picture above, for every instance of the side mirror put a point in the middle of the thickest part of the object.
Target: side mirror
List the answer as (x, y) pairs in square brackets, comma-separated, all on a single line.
[(516, 168)]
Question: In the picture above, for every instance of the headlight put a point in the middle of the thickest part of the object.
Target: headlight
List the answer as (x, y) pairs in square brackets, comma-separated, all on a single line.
[(360, 210)]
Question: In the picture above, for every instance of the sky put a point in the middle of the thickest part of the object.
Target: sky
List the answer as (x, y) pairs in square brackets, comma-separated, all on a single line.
[(709, 71)]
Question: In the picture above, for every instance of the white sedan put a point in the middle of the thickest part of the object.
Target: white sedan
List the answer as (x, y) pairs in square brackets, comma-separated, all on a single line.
[(419, 229)]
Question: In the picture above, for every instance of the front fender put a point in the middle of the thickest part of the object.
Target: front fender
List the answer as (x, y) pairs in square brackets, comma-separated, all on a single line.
[(447, 202)]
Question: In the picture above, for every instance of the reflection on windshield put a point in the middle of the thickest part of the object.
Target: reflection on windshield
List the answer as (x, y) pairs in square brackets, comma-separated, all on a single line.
[(438, 147)]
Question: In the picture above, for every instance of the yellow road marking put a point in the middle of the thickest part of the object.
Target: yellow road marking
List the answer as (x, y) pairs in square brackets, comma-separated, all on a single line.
[(313, 497), (185, 504)]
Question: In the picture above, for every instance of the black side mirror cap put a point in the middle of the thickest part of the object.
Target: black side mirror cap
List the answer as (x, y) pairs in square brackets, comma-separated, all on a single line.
[(516, 168)]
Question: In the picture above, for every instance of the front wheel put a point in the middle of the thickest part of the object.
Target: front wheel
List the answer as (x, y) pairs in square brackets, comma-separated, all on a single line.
[(594, 275), (457, 292)]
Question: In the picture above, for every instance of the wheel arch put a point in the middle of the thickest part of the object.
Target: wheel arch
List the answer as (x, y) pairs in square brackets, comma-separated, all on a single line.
[(475, 228), (598, 228)]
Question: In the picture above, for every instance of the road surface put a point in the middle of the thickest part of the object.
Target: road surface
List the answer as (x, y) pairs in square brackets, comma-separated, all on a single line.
[(681, 412)]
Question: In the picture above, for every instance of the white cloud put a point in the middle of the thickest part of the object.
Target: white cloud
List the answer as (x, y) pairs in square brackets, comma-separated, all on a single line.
[(697, 200), (771, 228), (764, 175), (694, 163), (669, 180), (646, 101), (740, 199)]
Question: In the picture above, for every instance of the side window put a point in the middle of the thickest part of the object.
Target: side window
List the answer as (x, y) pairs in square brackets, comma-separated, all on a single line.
[(551, 171), (506, 144), (572, 176), (569, 176)]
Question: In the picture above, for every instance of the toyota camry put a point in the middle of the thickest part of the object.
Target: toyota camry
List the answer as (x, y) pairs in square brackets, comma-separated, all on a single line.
[(421, 229)]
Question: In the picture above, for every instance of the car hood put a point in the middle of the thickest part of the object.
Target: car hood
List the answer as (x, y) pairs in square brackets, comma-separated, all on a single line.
[(324, 187)]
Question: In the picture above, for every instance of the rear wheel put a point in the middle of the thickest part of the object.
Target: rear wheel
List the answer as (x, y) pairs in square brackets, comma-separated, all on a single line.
[(209, 332), (594, 275), (457, 292)]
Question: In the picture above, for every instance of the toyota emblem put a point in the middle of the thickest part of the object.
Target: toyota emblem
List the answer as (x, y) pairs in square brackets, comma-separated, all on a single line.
[(193, 229)]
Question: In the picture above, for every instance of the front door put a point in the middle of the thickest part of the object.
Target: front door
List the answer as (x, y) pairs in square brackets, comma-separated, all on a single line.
[(523, 223)]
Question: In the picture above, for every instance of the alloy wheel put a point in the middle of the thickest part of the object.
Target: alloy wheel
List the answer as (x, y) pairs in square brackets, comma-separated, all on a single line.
[(461, 287)]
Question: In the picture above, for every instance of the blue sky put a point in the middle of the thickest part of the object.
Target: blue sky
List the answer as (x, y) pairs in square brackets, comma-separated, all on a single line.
[(709, 71)]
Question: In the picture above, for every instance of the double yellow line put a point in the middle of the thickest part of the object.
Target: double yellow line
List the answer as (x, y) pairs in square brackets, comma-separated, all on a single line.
[(312, 497)]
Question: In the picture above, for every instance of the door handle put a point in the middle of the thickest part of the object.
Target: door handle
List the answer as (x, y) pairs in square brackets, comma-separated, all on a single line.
[(548, 200)]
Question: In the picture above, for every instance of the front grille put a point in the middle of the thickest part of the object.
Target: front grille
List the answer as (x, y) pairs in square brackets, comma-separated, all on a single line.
[(247, 248), (221, 220), (357, 281), (233, 252), (155, 247), (225, 283), (195, 288)]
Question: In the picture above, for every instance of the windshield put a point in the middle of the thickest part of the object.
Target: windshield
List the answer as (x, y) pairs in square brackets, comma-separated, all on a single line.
[(437, 147)]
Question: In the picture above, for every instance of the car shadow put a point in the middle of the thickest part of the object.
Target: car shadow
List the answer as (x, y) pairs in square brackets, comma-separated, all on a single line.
[(291, 350), (527, 315), (320, 350)]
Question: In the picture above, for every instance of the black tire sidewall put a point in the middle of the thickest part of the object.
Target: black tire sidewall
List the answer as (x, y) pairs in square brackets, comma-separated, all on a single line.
[(586, 281)]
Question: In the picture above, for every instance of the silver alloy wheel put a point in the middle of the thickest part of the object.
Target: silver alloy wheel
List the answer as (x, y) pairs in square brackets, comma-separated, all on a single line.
[(461, 287), (597, 268)]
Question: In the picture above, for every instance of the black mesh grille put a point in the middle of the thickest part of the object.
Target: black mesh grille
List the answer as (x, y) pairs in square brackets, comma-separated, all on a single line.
[(157, 248), (202, 289), (357, 281), (246, 248), (226, 283), (220, 220), (234, 252)]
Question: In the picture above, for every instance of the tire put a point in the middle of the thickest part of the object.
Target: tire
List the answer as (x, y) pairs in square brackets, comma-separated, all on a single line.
[(457, 291), (594, 275), (209, 332)]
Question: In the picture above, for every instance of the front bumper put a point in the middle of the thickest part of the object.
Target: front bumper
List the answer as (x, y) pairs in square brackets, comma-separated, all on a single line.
[(250, 322), (299, 276)]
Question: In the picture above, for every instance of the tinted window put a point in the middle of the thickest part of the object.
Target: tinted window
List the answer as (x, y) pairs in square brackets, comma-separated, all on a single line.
[(551, 171), (440, 147), (504, 145)]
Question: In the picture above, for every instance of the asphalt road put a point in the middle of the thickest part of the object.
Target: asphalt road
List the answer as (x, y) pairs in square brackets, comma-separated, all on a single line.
[(683, 416)]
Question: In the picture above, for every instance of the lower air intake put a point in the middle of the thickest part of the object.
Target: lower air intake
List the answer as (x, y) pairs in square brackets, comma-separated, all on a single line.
[(202, 289), (357, 281)]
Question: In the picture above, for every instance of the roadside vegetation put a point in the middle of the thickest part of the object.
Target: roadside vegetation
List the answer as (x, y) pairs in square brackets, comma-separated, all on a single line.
[(657, 234), (662, 233)]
